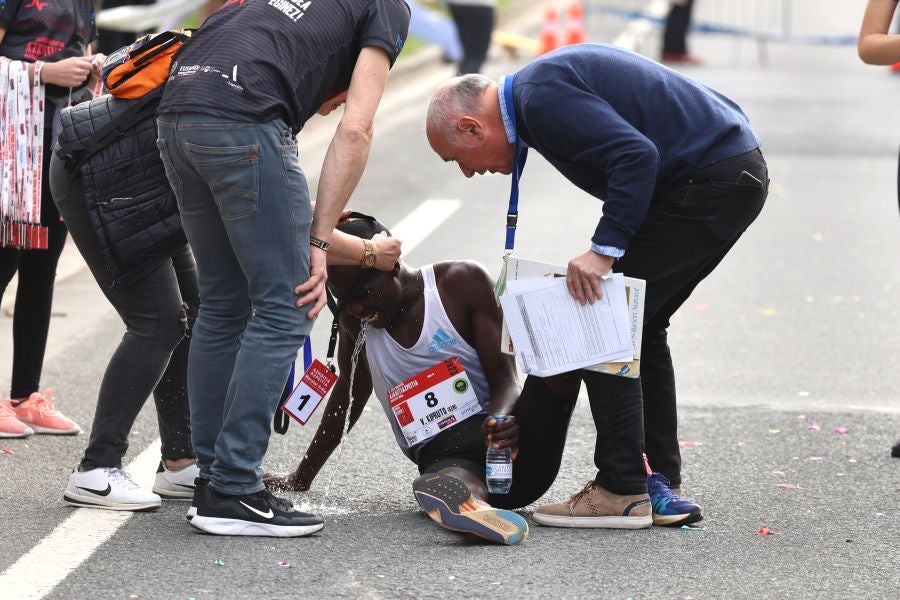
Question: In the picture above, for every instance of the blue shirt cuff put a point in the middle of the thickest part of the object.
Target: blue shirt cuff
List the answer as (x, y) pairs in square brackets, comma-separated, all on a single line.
[(608, 250)]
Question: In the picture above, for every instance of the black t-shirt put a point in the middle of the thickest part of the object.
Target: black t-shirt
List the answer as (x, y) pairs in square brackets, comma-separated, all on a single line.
[(36, 29), (258, 60)]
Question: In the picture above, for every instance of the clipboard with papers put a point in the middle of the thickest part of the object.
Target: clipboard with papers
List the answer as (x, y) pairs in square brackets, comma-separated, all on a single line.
[(550, 333)]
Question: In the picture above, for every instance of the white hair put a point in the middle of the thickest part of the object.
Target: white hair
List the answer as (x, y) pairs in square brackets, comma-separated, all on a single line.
[(458, 97)]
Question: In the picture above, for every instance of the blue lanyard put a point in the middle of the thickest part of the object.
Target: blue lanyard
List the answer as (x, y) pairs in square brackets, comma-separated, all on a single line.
[(519, 156)]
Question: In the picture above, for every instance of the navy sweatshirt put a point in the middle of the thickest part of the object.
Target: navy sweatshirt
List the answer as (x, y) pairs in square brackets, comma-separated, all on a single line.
[(620, 126)]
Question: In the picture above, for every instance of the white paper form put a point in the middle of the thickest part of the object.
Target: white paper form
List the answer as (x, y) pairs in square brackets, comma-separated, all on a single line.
[(553, 333)]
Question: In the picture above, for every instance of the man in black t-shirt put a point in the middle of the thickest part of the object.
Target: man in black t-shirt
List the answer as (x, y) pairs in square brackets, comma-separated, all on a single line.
[(238, 94)]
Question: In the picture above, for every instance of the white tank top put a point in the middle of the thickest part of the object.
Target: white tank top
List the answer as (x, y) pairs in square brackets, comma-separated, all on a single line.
[(392, 364)]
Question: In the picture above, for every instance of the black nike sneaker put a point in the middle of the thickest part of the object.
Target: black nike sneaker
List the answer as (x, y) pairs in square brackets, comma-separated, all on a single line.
[(199, 484), (111, 489), (260, 514)]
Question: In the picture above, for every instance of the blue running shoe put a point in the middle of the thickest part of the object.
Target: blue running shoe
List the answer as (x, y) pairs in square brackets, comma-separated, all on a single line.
[(669, 509), (450, 504)]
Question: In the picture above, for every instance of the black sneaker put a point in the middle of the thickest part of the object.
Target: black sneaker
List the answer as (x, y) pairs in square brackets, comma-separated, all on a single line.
[(199, 485), (895, 451), (252, 514)]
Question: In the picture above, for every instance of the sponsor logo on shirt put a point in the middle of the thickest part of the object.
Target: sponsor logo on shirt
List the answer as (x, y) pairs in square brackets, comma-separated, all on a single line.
[(442, 340), (293, 9), (36, 4)]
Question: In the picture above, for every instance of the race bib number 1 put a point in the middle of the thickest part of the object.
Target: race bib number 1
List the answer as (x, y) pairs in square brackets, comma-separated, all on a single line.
[(306, 397), (436, 399)]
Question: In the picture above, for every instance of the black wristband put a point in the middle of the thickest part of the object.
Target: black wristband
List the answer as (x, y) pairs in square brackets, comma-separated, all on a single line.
[(320, 244)]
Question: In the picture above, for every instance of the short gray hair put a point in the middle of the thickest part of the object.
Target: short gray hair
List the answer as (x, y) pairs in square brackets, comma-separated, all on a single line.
[(458, 97)]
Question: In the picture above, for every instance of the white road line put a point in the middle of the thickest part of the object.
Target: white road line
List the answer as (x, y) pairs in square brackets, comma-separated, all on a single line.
[(73, 541), (423, 221)]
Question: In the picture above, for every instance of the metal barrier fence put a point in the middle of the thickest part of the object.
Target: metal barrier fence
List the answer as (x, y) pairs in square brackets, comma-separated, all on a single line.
[(760, 21)]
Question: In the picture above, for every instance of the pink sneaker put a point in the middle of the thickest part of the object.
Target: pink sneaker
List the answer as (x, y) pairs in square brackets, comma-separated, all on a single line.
[(41, 415), (10, 426)]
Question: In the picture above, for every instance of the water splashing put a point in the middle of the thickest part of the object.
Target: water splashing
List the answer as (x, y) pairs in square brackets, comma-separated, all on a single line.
[(354, 360)]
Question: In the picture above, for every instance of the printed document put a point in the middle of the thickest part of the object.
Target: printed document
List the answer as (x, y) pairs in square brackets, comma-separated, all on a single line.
[(553, 333), (524, 268)]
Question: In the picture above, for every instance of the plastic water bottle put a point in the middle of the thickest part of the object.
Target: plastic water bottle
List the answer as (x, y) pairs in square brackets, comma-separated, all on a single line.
[(498, 466)]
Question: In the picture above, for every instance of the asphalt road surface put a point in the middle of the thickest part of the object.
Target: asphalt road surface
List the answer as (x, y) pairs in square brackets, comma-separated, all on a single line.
[(797, 329)]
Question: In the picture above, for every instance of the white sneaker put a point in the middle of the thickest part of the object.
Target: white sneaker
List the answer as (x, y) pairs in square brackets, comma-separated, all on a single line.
[(110, 489), (176, 485)]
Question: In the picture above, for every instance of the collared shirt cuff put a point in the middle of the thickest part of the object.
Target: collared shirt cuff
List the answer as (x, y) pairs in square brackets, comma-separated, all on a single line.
[(608, 250)]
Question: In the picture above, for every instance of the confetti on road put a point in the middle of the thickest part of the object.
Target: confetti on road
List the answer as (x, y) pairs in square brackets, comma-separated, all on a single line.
[(691, 528), (813, 426), (841, 429), (803, 394), (7, 451), (218, 563), (689, 443), (764, 530), (768, 312), (451, 577), (788, 486), (283, 564), (815, 458), (774, 431), (135, 596)]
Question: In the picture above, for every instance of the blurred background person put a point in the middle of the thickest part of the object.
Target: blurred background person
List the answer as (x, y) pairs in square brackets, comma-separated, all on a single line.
[(474, 22), (877, 47), (435, 28), (56, 35), (678, 22)]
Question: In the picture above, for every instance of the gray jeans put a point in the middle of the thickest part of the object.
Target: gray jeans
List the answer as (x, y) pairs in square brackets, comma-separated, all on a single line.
[(245, 208)]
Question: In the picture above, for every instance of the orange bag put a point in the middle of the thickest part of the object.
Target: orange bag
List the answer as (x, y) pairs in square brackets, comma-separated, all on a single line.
[(134, 71)]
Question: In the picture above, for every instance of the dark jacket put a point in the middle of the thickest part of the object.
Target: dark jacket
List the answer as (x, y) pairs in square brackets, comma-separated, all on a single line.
[(622, 127), (111, 145)]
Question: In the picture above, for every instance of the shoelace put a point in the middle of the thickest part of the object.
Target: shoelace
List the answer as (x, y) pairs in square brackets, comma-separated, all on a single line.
[(43, 403), (123, 477), (658, 485), (579, 495), (273, 500)]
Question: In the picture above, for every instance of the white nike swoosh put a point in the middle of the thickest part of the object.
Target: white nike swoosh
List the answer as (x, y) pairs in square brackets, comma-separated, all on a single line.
[(264, 515)]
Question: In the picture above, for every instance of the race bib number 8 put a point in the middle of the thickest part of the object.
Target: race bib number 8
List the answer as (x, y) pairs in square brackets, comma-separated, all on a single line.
[(434, 400)]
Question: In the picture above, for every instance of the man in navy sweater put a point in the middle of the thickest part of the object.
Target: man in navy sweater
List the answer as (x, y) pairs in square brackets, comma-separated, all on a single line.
[(681, 177)]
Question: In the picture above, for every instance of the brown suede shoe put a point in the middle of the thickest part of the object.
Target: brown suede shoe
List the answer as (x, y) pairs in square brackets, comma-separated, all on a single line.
[(596, 507)]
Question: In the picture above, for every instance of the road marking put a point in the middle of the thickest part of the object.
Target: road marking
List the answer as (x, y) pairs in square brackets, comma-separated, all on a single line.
[(423, 221), (73, 541)]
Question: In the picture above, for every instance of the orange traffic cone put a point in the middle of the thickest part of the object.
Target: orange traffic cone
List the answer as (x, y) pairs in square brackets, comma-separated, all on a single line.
[(575, 24), (549, 35)]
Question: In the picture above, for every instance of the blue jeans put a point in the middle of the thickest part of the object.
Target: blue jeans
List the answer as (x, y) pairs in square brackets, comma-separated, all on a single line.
[(245, 208)]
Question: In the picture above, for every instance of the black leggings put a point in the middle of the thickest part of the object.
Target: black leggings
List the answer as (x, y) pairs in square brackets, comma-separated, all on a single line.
[(543, 418), (34, 295), (152, 356)]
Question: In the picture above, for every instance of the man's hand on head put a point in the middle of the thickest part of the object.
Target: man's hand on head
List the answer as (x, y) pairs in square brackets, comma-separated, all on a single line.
[(313, 289), (387, 251), (583, 276)]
